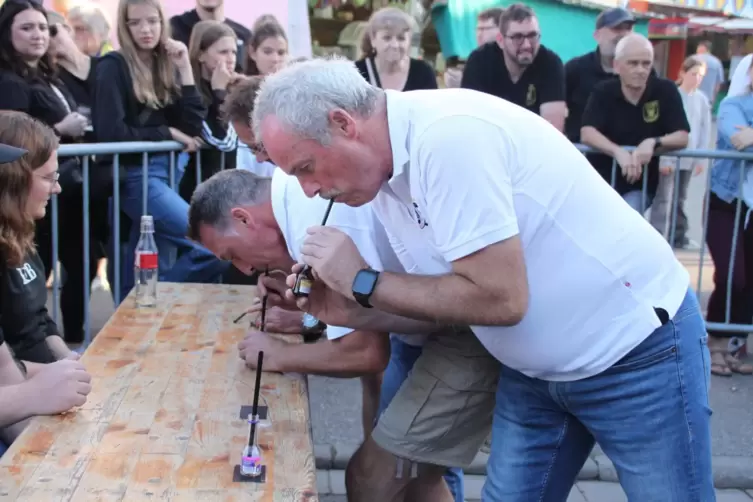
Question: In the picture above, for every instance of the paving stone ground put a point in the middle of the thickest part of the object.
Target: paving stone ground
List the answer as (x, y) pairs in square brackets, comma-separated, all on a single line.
[(598, 491)]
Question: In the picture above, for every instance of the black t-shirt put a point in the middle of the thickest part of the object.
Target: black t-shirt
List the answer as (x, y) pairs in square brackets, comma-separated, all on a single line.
[(542, 82), (659, 112), (24, 320), (582, 74), (420, 75), (182, 26)]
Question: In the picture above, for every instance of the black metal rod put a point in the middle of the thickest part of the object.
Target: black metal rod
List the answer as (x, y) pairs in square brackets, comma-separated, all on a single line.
[(257, 391), (263, 323), (326, 213)]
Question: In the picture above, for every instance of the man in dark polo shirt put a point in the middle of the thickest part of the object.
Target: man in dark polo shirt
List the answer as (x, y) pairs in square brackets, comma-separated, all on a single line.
[(516, 67), (582, 73), (639, 109), (182, 25)]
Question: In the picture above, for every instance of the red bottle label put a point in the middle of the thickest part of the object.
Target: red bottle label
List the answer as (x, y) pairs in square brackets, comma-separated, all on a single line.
[(146, 261)]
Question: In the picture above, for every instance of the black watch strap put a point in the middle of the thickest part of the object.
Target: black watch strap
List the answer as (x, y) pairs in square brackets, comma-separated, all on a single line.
[(364, 285)]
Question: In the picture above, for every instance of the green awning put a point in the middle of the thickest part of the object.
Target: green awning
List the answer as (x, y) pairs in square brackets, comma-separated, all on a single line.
[(455, 23)]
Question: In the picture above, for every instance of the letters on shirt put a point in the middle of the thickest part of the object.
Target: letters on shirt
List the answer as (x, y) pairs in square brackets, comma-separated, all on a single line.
[(27, 273)]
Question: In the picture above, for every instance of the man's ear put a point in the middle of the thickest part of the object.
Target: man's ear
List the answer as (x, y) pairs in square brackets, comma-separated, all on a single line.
[(344, 123), (242, 215)]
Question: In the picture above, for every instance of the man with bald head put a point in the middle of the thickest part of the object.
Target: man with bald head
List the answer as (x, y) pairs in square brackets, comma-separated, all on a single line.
[(640, 110)]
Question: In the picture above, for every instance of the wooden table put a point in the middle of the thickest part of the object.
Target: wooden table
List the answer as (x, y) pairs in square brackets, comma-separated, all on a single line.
[(162, 421)]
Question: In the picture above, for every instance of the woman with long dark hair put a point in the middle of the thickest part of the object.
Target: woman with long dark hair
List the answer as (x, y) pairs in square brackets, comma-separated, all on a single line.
[(145, 91), (29, 82)]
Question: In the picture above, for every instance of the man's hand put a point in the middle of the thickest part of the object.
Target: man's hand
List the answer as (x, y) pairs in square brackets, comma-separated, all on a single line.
[(278, 320), (274, 287), (631, 169), (60, 386), (256, 341), (644, 151), (666, 169), (743, 138), (327, 305), (334, 257)]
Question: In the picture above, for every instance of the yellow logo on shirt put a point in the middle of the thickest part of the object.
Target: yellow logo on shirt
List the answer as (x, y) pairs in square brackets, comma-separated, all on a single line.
[(651, 112), (531, 95)]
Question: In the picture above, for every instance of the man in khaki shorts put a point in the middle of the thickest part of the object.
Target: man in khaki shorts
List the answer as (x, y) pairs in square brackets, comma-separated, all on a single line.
[(439, 418), (442, 411)]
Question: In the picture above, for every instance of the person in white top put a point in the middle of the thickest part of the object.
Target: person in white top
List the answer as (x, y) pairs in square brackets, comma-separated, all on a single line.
[(236, 109), (256, 223), (584, 303), (676, 173)]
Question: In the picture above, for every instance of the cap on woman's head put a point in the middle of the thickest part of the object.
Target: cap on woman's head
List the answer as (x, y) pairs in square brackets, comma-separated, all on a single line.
[(10, 153)]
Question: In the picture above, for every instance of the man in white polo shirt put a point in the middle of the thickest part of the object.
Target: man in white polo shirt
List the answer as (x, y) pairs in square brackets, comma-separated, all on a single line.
[(258, 222), (590, 313)]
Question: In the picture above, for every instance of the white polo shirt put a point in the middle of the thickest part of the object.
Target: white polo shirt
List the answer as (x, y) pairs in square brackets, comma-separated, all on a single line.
[(295, 213), (471, 170)]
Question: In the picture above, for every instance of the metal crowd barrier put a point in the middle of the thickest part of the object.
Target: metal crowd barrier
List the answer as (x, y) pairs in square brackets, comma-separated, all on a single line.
[(85, 151)]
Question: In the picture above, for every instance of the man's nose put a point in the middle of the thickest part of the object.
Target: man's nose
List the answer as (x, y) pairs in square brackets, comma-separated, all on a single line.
[(310, 188)]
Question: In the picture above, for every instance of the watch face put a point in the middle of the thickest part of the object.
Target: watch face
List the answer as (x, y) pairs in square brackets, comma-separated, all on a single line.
[(309, 321), (364, 282)]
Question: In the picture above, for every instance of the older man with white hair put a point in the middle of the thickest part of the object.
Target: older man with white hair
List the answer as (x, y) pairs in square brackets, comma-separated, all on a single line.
[(639, 109), (504, 225)]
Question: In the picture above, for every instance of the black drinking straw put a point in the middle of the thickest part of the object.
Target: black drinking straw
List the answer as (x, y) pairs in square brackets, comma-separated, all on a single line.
[(255, 408), (326, 213), (264, 306)]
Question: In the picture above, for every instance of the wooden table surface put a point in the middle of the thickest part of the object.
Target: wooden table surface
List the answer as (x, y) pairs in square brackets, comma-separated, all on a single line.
[(162, 421)]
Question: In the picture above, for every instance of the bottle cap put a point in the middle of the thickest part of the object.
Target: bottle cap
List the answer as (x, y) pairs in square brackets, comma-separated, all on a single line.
[(147, 223)]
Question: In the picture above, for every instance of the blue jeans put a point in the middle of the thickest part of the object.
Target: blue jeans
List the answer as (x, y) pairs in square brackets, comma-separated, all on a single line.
[(649, 413), (180, 259), (402, 359)]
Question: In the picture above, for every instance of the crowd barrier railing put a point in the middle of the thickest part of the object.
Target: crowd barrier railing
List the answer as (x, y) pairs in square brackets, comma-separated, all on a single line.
[(89, 152)]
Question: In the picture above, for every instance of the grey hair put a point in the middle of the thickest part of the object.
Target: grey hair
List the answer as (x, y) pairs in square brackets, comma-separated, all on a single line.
[(93, 17), (302, 95), (214, 198)]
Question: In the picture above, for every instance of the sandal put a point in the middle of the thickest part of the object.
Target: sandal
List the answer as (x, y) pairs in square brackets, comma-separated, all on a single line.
[(720, 367), (735, 365)]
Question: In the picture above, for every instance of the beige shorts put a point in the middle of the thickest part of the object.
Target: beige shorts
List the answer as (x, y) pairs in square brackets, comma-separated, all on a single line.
[(442, 413)]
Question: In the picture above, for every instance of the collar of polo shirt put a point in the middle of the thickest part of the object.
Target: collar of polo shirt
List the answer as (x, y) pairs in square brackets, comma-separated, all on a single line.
[(398, 125)]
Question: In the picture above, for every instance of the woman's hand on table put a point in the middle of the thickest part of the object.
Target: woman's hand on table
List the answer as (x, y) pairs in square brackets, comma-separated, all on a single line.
[(256, 341), (57, 387)]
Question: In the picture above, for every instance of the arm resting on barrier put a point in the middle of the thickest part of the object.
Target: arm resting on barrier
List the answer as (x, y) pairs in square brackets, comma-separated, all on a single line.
[(590, 136), (113, 88)]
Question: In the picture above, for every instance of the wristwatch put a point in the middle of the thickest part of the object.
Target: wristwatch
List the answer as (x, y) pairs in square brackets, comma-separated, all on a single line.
[(313, 328), (363, 286), (657, 142)]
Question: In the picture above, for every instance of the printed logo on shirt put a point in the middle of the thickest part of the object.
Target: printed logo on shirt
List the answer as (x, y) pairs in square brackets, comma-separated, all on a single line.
[(651, 112), (422, 223), (27, 273), (531, 95)]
